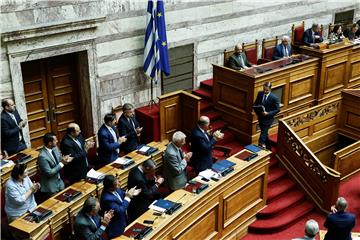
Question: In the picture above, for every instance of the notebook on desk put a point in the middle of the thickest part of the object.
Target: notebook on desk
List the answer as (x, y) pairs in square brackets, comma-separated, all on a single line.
[(69, 195), (137, 231), (195, 187), (20, 157), (253, 148), (38, 215), (146, 150), (246, 155)]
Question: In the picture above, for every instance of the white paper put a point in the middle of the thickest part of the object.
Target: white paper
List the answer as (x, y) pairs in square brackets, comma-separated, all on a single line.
[(144, 148), (208, 173), (156, 208), (8, 164), (122, 161), (94, 174)]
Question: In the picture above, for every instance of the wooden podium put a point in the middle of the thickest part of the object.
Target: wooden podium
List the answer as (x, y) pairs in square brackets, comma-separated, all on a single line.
[(234, 92)]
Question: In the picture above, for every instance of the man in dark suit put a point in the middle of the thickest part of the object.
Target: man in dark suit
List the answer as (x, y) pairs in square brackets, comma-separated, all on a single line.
[(12, 139), (129, 128), (238, 60), (175, 162), (202, 143), (312, 35), (113, 198), (74, 144), (109, 141), (88, 224), (139, 177), (283, 49), (339, 223), (50, 163), (271, 106)]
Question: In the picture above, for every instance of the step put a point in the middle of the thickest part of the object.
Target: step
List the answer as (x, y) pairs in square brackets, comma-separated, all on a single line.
[(282, 220), (218, 125), (205, 94), (273, 138), (207, 84), (273, 162), (228, 137), (281, 203), (212, 114), (276, 188), (205, 105), (275, 174)]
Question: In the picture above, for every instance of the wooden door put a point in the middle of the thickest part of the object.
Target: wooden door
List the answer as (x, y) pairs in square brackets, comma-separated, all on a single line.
[(51, 96)]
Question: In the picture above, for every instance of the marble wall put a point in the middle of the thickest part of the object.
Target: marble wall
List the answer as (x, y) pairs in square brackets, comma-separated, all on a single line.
[(117, 41)]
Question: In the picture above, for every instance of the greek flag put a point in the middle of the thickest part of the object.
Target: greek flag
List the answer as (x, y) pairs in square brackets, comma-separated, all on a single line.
[(156, 58)]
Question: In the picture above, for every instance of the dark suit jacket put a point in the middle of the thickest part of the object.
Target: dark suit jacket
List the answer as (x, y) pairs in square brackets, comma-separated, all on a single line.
[(235, 63), (77, 168), (126, 128), (308, 39), (107, 145), (109, 201), (272, 106), (149, 193), (85, 228), (339, 226), (279, 51), (10, 132), (201, 149)]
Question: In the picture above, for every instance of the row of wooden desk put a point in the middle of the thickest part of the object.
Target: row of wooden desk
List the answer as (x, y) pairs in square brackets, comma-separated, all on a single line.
[(60, 223), (223, 210)]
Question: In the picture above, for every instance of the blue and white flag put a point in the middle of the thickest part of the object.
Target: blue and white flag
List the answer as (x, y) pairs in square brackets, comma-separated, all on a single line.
[(156, 58)]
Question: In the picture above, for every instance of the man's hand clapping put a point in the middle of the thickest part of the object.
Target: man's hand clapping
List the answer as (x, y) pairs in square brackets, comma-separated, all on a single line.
[(122, 139), (107, 217), (132, 192), (66, 159)]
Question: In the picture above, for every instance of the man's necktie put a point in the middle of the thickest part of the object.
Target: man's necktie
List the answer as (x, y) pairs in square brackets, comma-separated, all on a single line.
[(264, 98), (181, 154), (286, 54), (54, 156)]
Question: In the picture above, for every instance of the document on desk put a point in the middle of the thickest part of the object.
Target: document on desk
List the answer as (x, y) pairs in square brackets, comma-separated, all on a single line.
[(95, 174), (208, 173), (144, 149), (123, 161), (6, 163), (161, 205)]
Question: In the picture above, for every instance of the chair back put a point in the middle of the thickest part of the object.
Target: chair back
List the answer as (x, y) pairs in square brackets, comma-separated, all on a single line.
[(297, 33), (117, 111), (330, 29), (227, 54), (268, 47), (251, 50)]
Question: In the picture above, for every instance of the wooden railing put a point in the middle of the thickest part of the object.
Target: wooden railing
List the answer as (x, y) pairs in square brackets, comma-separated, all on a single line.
[(347, 160), (320, 182)]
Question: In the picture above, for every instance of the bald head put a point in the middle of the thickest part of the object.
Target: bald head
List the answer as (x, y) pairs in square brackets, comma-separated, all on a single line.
[(238, 48), (204, 123), (73, 129), (311, 228), (341, 204)]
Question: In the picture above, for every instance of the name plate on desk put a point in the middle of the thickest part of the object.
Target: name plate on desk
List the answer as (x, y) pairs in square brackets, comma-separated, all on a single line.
[(69, 195), (38, 215), (137, 231)]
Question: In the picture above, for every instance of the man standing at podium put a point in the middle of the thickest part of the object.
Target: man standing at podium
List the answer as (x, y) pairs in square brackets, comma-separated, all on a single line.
[(270, 107)]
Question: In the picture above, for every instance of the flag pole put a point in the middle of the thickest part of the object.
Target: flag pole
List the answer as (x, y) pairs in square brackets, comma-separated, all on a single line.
[(151, 102)]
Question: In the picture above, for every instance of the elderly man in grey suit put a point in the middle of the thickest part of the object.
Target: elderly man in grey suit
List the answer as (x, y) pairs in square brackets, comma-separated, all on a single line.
[(175, 162), (50, 163), (238, 60)]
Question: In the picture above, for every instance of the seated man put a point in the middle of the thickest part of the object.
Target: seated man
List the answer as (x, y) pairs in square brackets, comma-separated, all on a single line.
[(113, 198), (50, 163), (311, 230), (238, 60), (109, 141), (283, 49), (143, 177), (353, 33), (339, 223), (202, 142), (88, 224), (12, 139), (129, 127), (312, 35), (175, 162)]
